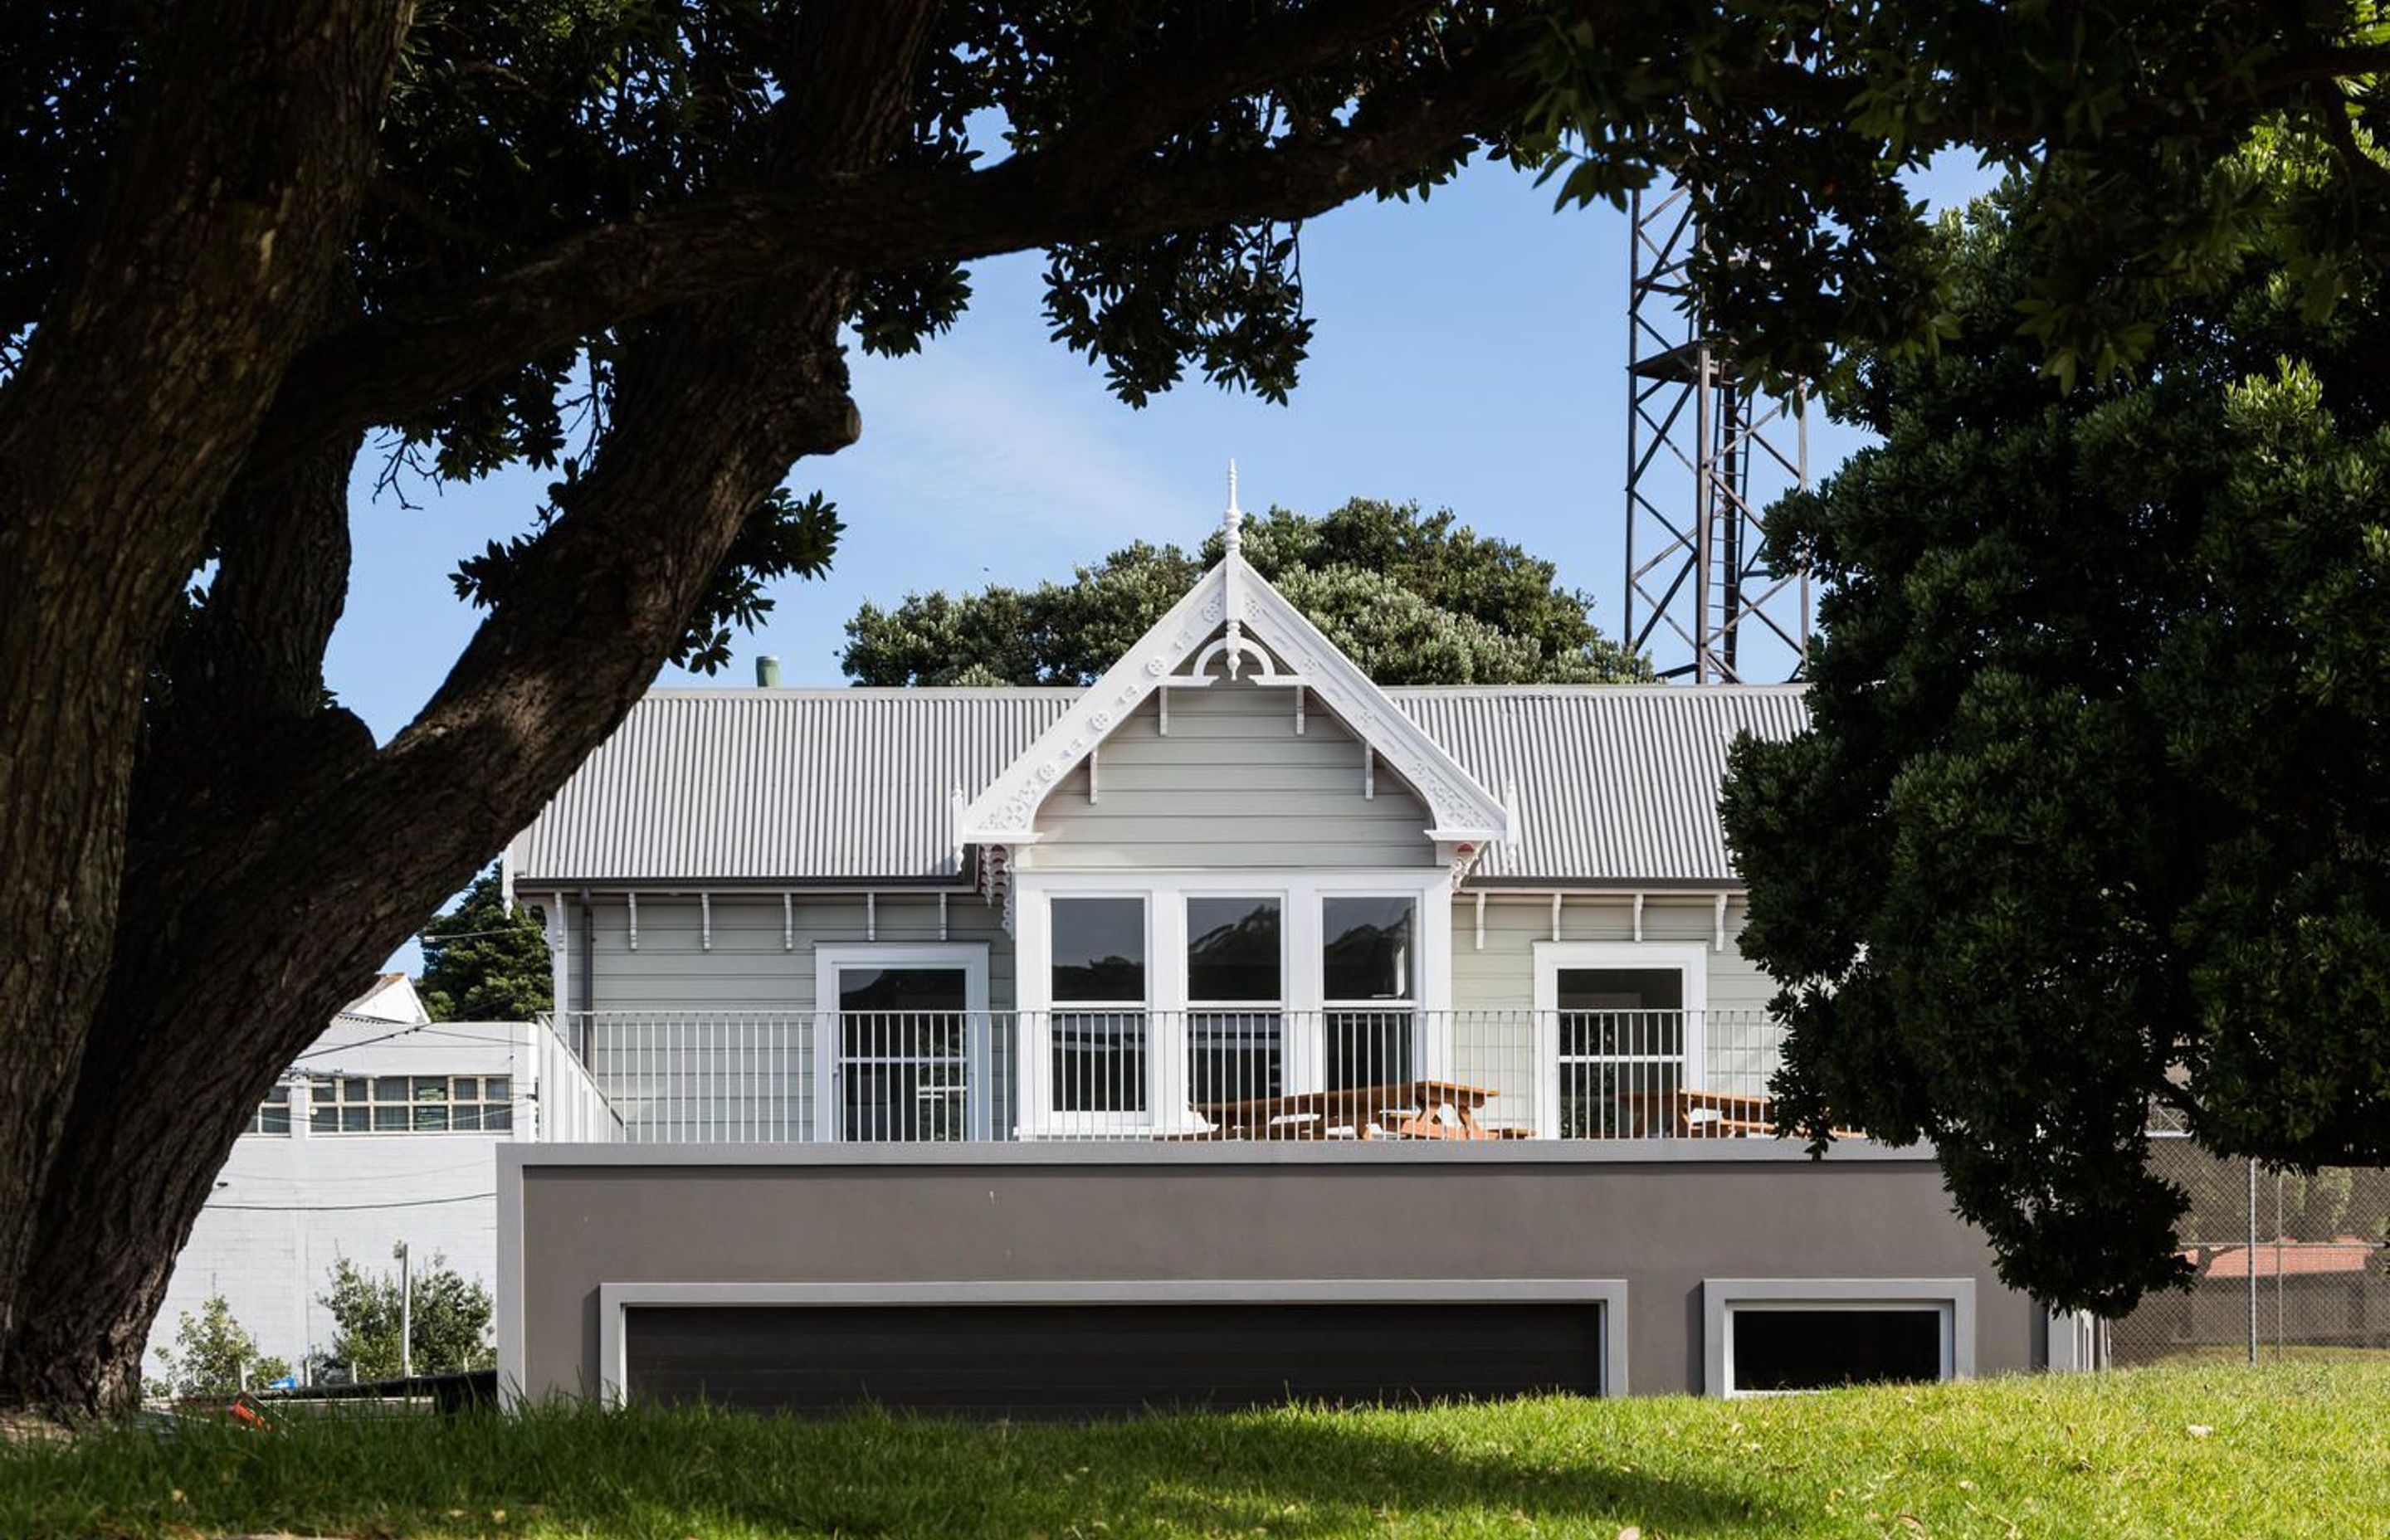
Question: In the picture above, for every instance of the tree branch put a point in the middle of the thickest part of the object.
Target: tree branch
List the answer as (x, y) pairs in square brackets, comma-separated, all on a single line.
[(415, 356)]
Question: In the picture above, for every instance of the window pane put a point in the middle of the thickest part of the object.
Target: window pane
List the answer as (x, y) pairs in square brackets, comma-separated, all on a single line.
[(1098, 947), (353, 1120), (1100, 1062), (273, 1120), (466, 1119), (496, 1088), (1366, 949), (1232, 949), (431, 1087), (464, 1088), (324, 1118), (1622, 989), (1232, 1056), (389, 1088), (355, 1089), (497, 1120), (1810, 1350), (391, 1118), (432, 1117), (1369, 1047), (900, 989)]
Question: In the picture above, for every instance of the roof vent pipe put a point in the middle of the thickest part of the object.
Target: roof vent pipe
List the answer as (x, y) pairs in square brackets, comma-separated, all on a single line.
[(767, 673)]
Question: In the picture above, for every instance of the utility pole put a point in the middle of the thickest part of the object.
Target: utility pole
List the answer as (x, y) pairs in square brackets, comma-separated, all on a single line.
[(1705, 454), (405, 1312)]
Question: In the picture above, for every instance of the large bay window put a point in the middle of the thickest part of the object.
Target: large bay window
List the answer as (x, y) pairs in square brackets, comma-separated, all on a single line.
[(1198, 990)]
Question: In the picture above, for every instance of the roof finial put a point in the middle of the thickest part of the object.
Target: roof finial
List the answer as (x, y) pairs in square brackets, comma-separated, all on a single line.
[(1232, 523)]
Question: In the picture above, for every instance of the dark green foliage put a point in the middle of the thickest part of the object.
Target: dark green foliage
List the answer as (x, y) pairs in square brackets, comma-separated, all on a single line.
[(1413, 599), (2095, 810), (485, 962), (1795, 120), (449, 1321)]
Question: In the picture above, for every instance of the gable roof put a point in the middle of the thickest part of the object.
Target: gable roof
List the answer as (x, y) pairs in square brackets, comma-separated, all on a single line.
[(1233, 619), (1616, 784)]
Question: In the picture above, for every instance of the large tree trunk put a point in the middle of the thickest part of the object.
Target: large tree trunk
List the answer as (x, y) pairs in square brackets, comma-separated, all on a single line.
[(199, 861), (151, 370), (277, 857)]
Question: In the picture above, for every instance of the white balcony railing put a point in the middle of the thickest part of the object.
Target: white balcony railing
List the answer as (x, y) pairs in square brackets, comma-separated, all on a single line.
[(1382, 1072)]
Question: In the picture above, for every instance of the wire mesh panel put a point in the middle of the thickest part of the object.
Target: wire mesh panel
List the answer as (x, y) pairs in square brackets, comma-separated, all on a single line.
[(2283, 1265)]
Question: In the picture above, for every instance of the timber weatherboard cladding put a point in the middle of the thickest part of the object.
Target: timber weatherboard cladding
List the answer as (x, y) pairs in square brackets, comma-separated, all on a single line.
[(1231, 785)]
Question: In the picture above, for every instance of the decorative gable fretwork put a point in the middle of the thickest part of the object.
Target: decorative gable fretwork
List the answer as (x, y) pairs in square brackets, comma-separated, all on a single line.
[(1233, 624)]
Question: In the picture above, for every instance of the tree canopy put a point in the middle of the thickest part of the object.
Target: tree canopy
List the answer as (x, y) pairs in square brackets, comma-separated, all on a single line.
[(2092, 822), (485, 962), (625, 242), (447, 1322), (1412, 598)]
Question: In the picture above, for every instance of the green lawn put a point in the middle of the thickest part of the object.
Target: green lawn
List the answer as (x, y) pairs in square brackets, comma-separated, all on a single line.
[(2295, 1449)]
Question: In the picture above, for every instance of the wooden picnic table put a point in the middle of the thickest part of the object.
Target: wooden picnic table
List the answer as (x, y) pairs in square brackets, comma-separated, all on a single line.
[(1686, 1114), (1402, 1109)]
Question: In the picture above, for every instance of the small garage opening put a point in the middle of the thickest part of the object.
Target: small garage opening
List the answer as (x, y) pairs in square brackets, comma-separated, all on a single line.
[(1091, 1360)]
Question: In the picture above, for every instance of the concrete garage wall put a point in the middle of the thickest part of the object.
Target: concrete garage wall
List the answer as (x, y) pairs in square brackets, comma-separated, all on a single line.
[(574, 1219)]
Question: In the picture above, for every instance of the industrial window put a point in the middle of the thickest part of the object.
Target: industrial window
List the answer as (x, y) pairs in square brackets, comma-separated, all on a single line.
[(1369, 978), (273, 1114), (1796, 1345), (411, 1104), (1099, 991)]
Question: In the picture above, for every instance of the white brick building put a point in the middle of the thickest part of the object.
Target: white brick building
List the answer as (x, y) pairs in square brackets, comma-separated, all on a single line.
[(386, 1130)]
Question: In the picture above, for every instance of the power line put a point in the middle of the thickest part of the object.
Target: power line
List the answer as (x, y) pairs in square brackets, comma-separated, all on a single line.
[(349, 1208)]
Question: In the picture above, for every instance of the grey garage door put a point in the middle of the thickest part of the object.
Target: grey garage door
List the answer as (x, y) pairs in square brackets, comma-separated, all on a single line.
[(1096, 1360)]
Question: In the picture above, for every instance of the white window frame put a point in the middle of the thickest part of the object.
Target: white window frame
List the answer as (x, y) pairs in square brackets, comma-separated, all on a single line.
[(969, 957), (1410, 1000), (1722, 1299), (1689, 959), (1280, 1008), (1303, 1061)]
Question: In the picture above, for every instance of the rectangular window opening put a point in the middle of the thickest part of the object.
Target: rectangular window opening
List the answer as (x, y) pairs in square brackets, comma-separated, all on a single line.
[(1234, 992), (1098, 960), (409, 1104), (1775, 1349), (1368, 978)]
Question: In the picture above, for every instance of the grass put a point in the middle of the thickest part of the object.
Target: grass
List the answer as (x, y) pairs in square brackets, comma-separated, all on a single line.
[(2296, 1449)]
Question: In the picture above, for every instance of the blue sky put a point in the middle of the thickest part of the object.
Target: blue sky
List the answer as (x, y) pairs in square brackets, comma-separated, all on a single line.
[(1469, 353)]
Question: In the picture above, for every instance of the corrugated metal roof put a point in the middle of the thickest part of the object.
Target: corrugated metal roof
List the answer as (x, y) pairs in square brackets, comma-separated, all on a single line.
[(1614, 783), (781, 785)]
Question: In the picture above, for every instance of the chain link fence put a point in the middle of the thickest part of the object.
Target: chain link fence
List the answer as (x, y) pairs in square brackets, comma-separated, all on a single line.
[(2285, 1266)]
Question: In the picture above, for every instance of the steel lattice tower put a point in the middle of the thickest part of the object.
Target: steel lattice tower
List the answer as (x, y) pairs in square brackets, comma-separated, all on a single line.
[(1705, 456)]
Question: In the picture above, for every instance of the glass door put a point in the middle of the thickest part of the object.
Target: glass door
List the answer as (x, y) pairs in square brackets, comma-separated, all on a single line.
[(903, 1046), (1622, 1050)]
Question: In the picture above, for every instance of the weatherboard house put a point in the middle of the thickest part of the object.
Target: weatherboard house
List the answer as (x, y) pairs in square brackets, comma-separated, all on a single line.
[(1231, 1029)]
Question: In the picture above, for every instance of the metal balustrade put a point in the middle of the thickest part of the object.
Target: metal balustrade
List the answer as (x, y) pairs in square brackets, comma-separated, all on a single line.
[(1354, 1073)]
